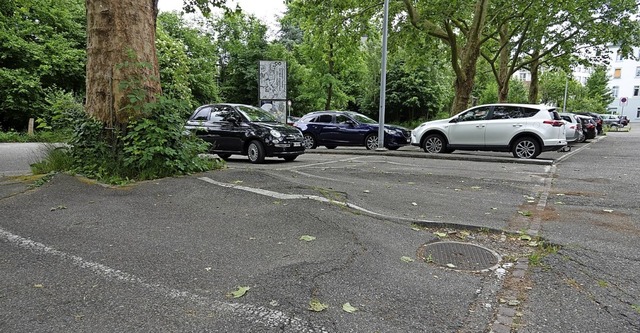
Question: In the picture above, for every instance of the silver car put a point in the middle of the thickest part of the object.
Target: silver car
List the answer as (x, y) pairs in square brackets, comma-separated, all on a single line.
[(526, 130), (574, 131)]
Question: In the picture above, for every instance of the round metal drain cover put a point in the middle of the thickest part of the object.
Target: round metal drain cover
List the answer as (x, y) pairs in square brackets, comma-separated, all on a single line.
[(460, 256)]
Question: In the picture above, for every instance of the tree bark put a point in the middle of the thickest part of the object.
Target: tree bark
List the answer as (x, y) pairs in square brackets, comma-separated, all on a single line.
[(120, 50), (504, 74), (327, 104), (533, 85), (465, 50), (465, 68)]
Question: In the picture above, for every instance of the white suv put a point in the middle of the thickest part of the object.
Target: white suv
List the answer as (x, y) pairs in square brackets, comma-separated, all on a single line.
[(526, 130)]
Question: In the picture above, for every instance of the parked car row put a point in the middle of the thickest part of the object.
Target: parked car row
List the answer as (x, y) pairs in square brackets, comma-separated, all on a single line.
[(245, 130), (346, 128), (525, 130), (615, 120)]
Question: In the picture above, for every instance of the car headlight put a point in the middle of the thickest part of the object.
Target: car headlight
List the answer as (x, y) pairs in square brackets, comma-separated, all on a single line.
[(390, 131), (276, 134)]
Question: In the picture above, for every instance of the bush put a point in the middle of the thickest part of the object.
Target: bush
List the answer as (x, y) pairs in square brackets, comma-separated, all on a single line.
[(153, 146)]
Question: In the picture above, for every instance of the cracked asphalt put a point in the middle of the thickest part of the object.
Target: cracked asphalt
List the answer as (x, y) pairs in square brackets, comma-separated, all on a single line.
[(163, 256)]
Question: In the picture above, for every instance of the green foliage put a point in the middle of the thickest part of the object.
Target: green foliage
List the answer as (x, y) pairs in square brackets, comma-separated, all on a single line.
[(42, 46), (597, 89), (187, 61), (61, 109), (153, 146), (58, 159), (241, 43), (330, 50), (156, 145)]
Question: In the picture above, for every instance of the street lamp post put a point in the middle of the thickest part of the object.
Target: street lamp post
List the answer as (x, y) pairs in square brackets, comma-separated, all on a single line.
[(383, 76)]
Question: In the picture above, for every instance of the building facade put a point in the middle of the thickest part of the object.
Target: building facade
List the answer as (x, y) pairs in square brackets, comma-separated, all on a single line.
[(624, 83)]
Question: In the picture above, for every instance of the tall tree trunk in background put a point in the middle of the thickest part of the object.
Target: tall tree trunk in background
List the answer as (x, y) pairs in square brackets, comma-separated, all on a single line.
[(465, 65), (327, 105), (121, 50), (533, 85), (503, 69)]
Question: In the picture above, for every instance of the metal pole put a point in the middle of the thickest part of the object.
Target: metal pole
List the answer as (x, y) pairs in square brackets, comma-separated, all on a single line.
[(383, 77)]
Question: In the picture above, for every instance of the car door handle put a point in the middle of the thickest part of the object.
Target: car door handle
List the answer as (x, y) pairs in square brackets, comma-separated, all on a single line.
[(517, 125), (479, 126)]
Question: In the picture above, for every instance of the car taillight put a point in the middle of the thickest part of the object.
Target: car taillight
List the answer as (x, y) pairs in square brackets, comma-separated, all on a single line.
[(554, 123)]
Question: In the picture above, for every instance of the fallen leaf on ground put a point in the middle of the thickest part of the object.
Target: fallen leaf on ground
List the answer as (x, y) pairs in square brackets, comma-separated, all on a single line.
[(346, 307), (440, 234), (307, 238), (317, 306), (239, 292), (406, 259)]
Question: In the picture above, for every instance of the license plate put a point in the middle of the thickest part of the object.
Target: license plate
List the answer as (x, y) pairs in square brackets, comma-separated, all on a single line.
[(297, 144)]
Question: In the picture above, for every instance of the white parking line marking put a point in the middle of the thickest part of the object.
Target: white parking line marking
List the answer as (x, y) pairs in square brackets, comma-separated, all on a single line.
[(283, 196), (257, 314)]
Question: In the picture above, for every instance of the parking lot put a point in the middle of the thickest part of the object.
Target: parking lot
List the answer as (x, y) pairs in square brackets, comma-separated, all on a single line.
[(164, 255)]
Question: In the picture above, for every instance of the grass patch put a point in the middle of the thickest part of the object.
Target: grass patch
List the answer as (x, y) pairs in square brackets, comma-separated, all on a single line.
[(542, 250), (38, 136), (58, 159)]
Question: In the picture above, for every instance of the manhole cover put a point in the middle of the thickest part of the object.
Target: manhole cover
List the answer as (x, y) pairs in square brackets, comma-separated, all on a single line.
[(460, 256)]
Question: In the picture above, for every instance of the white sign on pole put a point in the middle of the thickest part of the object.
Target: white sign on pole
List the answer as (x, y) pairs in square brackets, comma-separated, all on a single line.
[(273, 80)]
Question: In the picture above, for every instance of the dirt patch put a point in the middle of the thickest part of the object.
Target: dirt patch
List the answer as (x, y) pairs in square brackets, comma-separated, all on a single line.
[(559, 193)]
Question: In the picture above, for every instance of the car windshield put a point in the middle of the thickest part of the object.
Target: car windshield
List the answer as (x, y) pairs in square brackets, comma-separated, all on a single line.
[(255, 114), (362, 118)]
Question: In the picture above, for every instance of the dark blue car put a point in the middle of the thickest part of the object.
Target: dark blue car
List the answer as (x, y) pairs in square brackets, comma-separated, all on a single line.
[(346, 128)]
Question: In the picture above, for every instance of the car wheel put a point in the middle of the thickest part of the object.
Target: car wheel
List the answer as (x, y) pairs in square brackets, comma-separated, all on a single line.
[(309, 141), (434, 143), (526, 147), (290, 158), (331, 147), (255, 152), (581, 137), (371, 141), (224, 156)]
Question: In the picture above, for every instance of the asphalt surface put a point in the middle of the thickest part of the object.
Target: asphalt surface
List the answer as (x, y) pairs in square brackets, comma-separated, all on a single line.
[(162, 256)]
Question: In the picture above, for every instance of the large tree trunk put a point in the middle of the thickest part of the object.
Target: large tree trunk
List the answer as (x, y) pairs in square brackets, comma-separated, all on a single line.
[(465, 67), (121, 51), (503, 69), (327, 104), (533, 85)]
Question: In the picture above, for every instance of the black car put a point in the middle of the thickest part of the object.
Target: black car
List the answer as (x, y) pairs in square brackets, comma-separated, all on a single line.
[(589, 127), (245, 130), (347, 128), (597, 118)]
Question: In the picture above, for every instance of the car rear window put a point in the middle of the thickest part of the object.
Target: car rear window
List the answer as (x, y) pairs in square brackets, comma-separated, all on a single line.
[(554, 114), (530, 112), (323, 118)]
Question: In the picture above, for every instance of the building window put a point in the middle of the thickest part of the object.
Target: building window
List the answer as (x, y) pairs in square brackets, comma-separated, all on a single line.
[(614, 91), (636, 89), (638, 113), (523, 76), (617, 73), (638, 71), (619, 56)]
